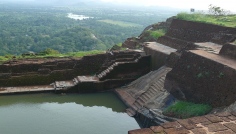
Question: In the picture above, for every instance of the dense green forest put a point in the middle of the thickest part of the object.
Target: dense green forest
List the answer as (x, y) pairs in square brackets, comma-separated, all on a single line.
[(35, 28)]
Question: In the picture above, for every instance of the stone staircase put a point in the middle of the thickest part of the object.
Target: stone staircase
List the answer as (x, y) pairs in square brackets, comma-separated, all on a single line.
[(152, 92), (109, 69), (144, 90), (116, 63), (64, 85)]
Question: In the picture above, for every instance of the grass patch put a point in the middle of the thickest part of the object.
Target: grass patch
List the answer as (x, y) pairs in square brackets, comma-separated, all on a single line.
[(51, 54), (182, 110), (157, 33), (119, 44), (120, 23), (223, 20)]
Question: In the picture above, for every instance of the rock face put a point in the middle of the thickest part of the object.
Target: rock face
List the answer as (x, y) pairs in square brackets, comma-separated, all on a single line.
[(229, 50), (200, 32), (202, 77), (136, 42)]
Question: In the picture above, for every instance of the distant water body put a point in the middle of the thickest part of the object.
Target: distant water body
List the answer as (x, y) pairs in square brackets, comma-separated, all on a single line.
[(101, 113), (78, 17)]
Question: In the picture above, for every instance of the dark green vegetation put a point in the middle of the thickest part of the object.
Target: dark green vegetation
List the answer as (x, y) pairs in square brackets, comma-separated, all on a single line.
[(223, 20), (182, 109), (36, 28)]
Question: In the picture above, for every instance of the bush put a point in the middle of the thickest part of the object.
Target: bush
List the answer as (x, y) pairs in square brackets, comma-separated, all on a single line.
[(157, 33), (49, 51), (182, 109)]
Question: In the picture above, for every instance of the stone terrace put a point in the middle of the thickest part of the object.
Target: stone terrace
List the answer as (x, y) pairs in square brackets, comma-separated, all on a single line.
[(221, 123)]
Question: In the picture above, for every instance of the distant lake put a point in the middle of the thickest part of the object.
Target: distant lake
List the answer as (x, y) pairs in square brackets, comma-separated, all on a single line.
[(78, 17)]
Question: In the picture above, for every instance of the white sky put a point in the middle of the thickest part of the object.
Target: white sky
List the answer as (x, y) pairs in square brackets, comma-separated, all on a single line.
[(187, 4)]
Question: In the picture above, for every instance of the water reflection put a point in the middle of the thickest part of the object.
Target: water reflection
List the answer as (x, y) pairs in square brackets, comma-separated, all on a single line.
[(109, 100), (101, 113)]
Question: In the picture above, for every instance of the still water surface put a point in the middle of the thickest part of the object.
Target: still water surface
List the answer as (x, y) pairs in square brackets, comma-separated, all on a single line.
[(78, 17), (101, 113)]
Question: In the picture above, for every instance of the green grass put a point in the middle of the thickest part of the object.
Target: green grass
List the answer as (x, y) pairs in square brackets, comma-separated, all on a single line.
[(119, 44), (157, 33), (51, 54), (223, 20), (120, 23), (182, 110)]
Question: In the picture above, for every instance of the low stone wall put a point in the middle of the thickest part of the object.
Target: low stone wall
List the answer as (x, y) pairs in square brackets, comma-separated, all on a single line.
[(200, 32), (48, 71), (202, 77), (176, 43), (91, 87), (159, 54), (38, 79), (87, 63)]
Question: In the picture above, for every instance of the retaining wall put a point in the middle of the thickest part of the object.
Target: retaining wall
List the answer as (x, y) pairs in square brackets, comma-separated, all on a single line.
[(203, 80), (201, 32)]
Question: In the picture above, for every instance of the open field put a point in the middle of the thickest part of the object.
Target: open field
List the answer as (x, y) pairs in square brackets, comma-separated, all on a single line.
[(120, 23)]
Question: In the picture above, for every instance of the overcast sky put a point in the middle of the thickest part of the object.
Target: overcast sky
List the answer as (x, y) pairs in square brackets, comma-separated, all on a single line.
[(197, 4), (182, 4)]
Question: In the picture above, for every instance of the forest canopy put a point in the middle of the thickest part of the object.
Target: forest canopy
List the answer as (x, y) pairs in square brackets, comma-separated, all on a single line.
[(34, 29)]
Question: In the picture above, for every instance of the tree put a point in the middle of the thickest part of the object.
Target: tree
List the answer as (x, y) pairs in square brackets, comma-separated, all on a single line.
[(215, 10)]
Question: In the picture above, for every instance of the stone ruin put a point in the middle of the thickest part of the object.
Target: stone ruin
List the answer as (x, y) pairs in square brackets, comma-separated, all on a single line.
[(193, 62), (88, 74)]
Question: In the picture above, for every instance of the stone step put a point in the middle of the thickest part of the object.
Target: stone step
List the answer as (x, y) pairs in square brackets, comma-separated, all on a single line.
[(157, 86), (141, 99), (130, 112), (103, 73), (134, 107), (154, 88), (160, 82), (137, 105), (148, 95), (139, 102), (99, 76), (162, 79), (144, 97), (151, 91)]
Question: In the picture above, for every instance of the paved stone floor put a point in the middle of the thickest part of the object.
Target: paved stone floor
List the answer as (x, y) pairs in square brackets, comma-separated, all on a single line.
[(26, 89), (221, 123)]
